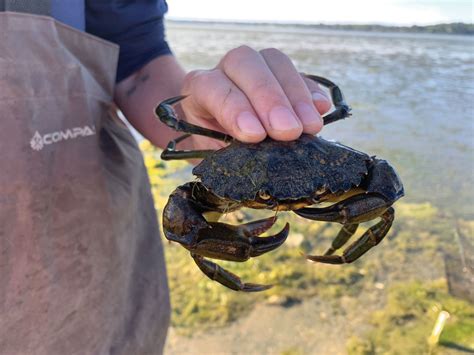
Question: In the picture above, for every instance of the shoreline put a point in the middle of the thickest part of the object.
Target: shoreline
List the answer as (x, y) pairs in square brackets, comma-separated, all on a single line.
[(449, 29)]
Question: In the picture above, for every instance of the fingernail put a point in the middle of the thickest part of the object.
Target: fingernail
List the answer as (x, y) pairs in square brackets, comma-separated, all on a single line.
[(249, 124), (282, 119), (317, 96), (308, 114)]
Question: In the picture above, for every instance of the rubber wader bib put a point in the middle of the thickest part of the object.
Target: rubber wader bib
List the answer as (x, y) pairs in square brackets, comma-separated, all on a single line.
[(81, 261)]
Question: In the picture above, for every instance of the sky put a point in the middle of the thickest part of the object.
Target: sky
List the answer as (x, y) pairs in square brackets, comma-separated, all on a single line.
[(389, 12)]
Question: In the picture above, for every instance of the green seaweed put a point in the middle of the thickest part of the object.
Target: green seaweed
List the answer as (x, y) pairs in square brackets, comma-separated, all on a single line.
[(358, 346), (405, 323), (294, 350)]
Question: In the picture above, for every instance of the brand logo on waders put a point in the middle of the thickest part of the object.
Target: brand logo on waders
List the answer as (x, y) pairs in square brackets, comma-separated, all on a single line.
[(39, 141)]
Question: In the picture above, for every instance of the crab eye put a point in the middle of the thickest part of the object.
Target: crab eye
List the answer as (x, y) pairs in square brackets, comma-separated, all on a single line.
[(264, 195)]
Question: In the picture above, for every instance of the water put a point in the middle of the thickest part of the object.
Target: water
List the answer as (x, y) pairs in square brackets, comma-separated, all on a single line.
[(412, 96)]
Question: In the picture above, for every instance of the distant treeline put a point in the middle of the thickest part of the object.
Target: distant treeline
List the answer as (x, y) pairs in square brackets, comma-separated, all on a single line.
[(443, 28), (448, 28)]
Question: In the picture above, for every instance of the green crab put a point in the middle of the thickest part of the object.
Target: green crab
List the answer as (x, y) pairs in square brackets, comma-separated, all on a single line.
[(278, 176)]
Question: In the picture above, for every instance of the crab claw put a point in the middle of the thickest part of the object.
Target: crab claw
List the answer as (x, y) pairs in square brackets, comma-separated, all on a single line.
[(255, 228), (184, 223), (266, 244), (238, 243), (235, 243)]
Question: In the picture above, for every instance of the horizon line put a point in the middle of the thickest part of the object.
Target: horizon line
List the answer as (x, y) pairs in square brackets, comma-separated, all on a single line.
[(306, 23)]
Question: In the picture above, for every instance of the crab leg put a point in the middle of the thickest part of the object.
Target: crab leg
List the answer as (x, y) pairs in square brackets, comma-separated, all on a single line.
[(355, 209), (368, 240), (225, 277), (346, 232), (349, 212), (342, 109), (166, 114), (170, 152)]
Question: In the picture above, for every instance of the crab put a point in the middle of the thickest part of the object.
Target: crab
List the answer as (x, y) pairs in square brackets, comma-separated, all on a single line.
[(278, 176)]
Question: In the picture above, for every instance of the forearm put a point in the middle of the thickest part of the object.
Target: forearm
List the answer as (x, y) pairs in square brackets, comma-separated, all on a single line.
[(138, 95)]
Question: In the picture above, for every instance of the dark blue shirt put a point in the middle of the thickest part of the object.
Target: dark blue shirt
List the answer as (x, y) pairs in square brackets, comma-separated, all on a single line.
[(136, 26)]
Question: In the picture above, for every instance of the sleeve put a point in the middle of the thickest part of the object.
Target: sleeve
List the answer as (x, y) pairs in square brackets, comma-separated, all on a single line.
[(136, 26)]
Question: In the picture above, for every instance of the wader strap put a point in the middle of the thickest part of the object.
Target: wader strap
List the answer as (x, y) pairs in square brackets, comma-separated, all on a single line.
[(36, 7)]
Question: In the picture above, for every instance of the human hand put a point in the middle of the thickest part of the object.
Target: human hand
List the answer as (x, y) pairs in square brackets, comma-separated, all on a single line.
[(250, 95)]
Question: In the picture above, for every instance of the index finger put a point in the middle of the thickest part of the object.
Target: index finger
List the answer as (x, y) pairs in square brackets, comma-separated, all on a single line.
[(250, 73)]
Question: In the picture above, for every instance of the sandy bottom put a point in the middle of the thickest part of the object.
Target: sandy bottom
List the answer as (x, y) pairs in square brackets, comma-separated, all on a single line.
[(311, 327)]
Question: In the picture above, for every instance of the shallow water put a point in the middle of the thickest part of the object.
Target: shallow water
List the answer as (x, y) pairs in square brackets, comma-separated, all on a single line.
[(411, 96)]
